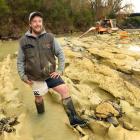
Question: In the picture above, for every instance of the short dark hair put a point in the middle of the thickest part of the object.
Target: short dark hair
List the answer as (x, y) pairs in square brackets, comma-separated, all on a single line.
[(33, 14)]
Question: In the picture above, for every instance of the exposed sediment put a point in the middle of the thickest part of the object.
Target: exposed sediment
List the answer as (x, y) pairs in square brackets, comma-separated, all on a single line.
[(98, 68)]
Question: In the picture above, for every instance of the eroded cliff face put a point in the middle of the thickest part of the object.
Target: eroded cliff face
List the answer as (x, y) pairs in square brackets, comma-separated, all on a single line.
[(98, 68)]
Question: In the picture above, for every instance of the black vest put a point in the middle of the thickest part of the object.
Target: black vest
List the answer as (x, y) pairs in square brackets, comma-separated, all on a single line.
[(39, 56)]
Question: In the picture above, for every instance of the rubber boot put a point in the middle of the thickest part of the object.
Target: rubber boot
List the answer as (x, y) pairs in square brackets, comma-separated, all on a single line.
[(40, 107), (71, 113)]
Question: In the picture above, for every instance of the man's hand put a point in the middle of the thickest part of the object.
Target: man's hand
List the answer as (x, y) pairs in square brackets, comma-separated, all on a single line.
[(55, 75), (26, 80), (29, 82)]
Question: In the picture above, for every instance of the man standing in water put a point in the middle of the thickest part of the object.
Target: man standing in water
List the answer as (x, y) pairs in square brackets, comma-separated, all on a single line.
[(36, 64)]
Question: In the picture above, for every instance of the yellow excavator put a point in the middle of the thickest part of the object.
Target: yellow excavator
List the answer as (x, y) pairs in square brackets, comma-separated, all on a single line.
[(103, 26)]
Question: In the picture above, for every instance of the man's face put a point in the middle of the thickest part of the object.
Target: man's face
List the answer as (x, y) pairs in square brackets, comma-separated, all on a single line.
[(36, 25)]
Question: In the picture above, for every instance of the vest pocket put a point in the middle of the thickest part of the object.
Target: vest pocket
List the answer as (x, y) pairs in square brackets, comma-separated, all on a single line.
[(46, 46), (47, 50), (29, 51), (49, 68)]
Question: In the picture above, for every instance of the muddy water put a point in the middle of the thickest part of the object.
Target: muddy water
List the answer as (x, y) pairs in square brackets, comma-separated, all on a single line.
[(52, 124)]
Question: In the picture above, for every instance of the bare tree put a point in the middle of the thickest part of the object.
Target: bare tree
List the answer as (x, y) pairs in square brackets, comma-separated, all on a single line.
[(103, 8)]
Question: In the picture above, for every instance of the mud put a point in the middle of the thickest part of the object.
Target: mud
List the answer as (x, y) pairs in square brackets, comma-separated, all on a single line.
[(98, 68)]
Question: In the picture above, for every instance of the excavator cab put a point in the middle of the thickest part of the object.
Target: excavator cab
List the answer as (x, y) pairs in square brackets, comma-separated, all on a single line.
[(110, 24)]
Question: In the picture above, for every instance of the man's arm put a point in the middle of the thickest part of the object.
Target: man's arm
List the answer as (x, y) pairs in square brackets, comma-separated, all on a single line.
[(21, 64), (60, 55)]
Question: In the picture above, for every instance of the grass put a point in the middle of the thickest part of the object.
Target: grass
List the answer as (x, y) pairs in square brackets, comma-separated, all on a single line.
[(7, 47)]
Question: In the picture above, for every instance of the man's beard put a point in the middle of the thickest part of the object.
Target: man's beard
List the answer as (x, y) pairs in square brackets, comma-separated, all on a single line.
[(36, 32)]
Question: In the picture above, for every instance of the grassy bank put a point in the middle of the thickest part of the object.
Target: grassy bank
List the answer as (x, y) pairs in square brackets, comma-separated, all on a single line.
[(7, 47)]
